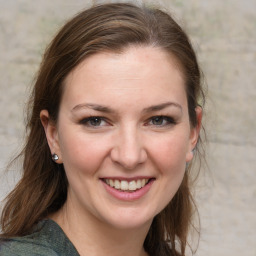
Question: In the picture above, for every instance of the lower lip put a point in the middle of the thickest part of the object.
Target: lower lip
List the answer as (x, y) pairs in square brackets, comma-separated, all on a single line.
[(128, 196)]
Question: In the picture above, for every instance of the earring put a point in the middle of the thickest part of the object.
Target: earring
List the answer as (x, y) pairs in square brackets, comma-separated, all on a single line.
[(55, 157)]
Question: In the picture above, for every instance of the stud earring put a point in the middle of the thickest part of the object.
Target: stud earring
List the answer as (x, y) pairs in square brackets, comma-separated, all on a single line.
[(55, 157)]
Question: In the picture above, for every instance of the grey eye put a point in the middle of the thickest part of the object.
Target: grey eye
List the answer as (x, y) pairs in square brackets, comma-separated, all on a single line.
[(158, 120), (161, 121), (95, 121)]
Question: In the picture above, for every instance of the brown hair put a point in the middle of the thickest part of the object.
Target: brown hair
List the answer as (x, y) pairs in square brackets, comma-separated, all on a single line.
[(42, 189)]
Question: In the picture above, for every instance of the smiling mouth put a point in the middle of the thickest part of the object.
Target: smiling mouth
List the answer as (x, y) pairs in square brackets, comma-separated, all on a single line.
[(127, 186)]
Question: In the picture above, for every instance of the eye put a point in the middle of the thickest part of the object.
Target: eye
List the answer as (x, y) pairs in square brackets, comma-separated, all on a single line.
[(94, 121), (161, 121)]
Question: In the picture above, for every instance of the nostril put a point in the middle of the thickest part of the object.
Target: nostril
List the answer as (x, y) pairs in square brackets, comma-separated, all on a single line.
[(128, 158)]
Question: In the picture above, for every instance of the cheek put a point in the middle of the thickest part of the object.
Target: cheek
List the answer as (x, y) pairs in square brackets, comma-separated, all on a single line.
[(169, 156), (82, 153), (169, 153)]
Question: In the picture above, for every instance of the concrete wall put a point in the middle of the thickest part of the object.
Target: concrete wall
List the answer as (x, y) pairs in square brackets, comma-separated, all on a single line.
[(224, 36)]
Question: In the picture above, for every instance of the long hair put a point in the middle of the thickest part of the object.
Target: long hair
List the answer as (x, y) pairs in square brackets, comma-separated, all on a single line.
[(42, 189)]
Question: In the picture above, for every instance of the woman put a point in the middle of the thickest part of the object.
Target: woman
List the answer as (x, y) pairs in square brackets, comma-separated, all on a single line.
[(112, 129)]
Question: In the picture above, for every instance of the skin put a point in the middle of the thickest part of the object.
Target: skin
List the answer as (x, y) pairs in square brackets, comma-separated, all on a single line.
[(129, 90)]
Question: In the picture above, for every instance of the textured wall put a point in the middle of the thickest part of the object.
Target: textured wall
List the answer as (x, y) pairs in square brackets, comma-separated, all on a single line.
[(224, 36)]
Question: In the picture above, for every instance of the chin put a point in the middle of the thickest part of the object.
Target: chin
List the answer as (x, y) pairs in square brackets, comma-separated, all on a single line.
[(130, 219)]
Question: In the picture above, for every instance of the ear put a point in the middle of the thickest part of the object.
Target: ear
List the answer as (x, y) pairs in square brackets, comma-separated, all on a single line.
[(51, 134), (194, 134)]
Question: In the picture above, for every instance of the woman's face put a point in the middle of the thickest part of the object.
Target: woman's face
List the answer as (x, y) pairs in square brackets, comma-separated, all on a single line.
[(123, 135)]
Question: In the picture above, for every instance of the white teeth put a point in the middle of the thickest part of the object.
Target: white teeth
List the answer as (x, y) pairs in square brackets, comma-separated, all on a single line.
[(132, 185), (125, 185), (139, 184), (117, 184), (111, 183)]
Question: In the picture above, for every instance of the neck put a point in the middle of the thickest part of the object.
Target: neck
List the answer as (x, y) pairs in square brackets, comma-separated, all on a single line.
[(95, 238)]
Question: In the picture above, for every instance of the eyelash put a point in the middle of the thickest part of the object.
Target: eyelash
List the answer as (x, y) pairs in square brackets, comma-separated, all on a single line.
[(86, 121), (167, 119)]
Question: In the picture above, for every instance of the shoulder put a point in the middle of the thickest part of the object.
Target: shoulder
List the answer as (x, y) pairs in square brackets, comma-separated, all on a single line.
[(24, 247), (48, 239)]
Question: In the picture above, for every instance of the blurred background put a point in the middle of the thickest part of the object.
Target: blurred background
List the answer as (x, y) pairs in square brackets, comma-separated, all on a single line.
[(223, 34)]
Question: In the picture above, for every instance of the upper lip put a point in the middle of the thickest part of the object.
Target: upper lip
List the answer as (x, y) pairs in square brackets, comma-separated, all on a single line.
[(127, 178)]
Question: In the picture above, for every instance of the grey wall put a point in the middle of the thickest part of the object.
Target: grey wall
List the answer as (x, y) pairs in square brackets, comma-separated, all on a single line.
[(224, 36)]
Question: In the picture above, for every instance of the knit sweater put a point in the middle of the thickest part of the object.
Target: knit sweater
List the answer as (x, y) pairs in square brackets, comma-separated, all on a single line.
[(48, 239)]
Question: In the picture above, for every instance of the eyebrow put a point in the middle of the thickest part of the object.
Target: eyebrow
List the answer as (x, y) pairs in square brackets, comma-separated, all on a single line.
[(162, 106), (96, 107), (105, 109)]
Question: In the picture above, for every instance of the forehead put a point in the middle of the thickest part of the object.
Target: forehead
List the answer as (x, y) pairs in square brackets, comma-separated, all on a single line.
[(138, 73)]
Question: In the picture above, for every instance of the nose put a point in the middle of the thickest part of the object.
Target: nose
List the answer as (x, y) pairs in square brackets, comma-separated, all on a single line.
[(128, 150)]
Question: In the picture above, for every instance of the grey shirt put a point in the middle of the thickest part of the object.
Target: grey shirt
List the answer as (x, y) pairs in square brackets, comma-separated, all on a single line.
[(48, 239)]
